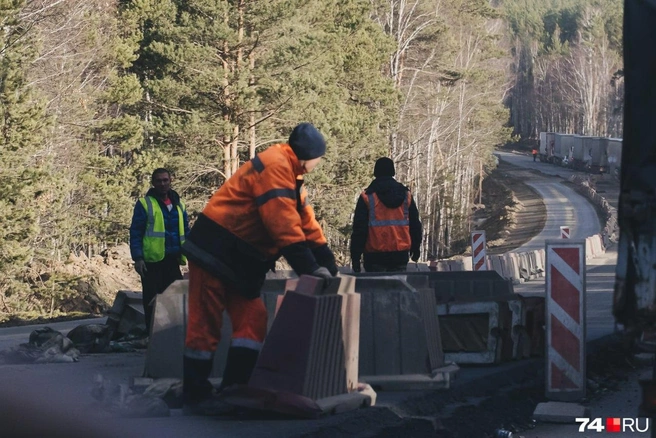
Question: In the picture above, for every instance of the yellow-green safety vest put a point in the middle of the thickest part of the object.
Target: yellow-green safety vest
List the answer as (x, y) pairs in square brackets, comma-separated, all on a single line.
[(154, 241)]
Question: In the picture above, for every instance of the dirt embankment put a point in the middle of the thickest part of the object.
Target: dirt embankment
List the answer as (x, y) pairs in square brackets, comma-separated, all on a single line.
[(85, 287), (512, 212)]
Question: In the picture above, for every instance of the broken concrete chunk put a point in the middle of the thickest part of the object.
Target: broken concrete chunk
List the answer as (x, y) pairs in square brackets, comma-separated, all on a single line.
[(120, 400), (91, 338), (45, 346)]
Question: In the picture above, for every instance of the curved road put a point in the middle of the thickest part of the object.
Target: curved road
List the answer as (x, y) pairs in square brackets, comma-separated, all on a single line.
[(565, 207)]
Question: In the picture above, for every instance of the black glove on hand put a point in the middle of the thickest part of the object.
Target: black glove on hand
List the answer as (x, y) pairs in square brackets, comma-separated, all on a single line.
[(414, 255), (355, 264), (140, 267), (322, 273), (325, 274), (325, 258)]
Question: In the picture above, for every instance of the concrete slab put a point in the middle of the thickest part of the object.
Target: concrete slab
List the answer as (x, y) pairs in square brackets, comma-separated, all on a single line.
[(440, 379), (560, 412)]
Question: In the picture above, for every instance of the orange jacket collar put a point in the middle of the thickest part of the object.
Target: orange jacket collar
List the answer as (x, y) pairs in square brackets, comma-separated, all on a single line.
[(296, 165)]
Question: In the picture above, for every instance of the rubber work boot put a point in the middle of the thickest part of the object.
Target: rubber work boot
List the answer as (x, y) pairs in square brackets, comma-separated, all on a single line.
[(199, 397), (212, 406), (240, 364)]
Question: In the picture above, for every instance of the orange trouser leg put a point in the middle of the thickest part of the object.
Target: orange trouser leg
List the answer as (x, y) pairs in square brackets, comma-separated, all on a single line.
[(208, 298), (249, 321), (206, 303)]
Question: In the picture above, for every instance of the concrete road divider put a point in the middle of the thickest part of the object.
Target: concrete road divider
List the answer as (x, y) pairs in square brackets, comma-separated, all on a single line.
[(384, 302), (512, 268), (398, 333), (167, 338), (304, 352), (496, 262), (454, 286), (308, 364), (126, 313), (538, 262), (477, 332)]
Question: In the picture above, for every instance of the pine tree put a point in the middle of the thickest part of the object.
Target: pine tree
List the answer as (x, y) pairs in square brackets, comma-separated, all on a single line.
[(223, 79), (24, 162)]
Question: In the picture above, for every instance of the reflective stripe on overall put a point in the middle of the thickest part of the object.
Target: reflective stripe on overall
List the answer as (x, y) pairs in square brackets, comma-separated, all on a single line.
[(389, 228), (154, 242)]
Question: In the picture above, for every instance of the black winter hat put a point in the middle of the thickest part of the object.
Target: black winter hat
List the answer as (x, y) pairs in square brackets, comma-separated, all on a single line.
[(307, 142), (384, 167)]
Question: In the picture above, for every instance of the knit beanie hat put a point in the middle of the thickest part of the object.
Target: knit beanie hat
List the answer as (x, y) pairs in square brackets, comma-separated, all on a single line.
[(384, 167), (307, 142)]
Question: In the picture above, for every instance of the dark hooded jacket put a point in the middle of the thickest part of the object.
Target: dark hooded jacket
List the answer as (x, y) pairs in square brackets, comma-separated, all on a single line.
[(391, 193)]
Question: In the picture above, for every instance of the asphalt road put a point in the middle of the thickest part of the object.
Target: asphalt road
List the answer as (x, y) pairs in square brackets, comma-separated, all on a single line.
[(564, 206), (57, 397)]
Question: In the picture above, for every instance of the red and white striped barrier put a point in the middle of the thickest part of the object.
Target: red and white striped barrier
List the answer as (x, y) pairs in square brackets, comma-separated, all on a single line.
[(565, 317), (564, 232), (478, 251)]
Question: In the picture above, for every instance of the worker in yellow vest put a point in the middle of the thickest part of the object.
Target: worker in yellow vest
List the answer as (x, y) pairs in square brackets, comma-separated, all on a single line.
[(158, 230)]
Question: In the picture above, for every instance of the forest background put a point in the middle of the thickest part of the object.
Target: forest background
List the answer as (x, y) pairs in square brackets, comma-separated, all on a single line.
[(95, 94)]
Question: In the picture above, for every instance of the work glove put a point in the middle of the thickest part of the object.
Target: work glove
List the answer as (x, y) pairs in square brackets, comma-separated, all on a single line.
[(414, 255), (140, 267), (324, 273), (355, 264), (325, 258)]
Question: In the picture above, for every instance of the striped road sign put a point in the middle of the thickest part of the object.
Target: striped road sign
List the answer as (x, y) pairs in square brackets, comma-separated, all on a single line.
[(565, 317), (478, 251), (564, 232)]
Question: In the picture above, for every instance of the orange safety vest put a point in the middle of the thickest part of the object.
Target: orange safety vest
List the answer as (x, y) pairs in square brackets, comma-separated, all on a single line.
[(389, 228)]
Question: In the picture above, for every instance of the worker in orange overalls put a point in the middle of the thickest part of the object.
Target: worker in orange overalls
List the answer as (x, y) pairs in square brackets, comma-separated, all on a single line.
[(258, 214), (386, 226)]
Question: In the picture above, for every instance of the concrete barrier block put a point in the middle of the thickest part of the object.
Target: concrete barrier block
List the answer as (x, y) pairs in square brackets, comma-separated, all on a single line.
[(560, 412), (496, 263), (420, 267), (509, 267), (443, 266), (597, 244), (539, 262), (439, 379), (524, 267), (476, 333), (126, 313), (396, 337), (304, 352), (457, 286), (167, 338), (589, 252), (166, 343), (517, 267)]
